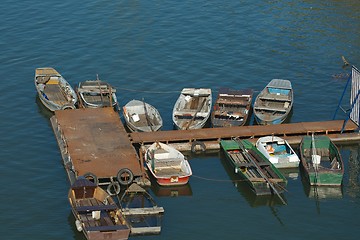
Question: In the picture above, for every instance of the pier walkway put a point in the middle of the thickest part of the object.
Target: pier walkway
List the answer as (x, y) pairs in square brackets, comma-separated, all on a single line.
[(292, 132)]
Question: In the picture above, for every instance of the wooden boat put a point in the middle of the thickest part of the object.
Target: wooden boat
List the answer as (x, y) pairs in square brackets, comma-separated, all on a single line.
[(95, 211), (278, 151), (142, 117), (321, 161), (141, 211), (167, 165), (274, 103), (260, 174), (96, 93), (231, 108), (53, 90), (192, 108)]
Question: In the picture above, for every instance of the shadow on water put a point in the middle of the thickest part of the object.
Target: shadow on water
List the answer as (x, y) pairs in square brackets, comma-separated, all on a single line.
[(319, 193), (353, 188), (245, 190), (171, 191), (42, 109), (77, 235)]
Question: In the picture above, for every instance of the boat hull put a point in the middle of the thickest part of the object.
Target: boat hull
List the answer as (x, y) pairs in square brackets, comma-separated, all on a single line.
[(96, 94), (142, 117), (231, 108), (54, 92), (274, 103), (321, 161), (278, 151), (172, 181), (96, 213), (167, 165), (192, 108), (247, 171)]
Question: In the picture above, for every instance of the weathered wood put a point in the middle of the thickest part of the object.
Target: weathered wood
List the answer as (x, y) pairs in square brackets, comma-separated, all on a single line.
[(143, 211)]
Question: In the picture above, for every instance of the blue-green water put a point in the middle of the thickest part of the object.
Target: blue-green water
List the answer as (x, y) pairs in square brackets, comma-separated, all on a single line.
[(151, 50)]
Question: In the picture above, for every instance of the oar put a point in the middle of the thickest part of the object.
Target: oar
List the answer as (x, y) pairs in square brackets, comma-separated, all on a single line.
[(314, 156), (147, 116), (198, 110), (260, 170), (101, 94)]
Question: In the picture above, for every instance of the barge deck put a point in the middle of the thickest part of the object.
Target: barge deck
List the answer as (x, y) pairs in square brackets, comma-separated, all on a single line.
[(94, 140)]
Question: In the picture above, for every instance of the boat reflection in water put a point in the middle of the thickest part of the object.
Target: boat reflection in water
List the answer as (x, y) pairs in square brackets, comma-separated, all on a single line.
[(171, 191), (241, 185), (141, 211)]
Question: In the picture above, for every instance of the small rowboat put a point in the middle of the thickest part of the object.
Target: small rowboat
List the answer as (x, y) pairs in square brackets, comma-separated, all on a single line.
[(96, 93), (274, 103), (53, 90), (231, 108), (278, 151), (260, 174), (321, 161), (167, 165), (192, 108), (96, 213), (142, 117)]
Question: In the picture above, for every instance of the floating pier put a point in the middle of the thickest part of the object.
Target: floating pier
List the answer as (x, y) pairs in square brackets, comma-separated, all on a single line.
[(209, 138), (94, 142)]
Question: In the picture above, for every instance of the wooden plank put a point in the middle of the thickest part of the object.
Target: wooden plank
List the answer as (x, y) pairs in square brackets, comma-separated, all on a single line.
[(255, 131)]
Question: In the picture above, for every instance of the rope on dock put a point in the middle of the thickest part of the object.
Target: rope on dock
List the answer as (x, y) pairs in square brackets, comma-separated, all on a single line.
[(218, 180)]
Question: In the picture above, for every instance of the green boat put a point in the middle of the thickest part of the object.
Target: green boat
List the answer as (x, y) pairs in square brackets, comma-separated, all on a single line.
[(260, 174), (321, 161)]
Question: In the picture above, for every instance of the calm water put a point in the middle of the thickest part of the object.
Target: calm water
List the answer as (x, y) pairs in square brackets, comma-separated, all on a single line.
[(151, 50)]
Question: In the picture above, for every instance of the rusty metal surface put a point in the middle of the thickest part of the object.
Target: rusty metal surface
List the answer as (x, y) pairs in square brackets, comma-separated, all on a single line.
[(210, 134), (97, 141)]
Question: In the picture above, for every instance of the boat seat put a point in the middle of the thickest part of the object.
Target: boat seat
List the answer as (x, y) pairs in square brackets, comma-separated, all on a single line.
[(53, 80), (82, 209), (270, 109), (106, 228), (190, 113)]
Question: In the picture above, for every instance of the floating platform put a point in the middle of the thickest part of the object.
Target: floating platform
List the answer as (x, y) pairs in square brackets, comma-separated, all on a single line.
[(94, 140), (209, 138)]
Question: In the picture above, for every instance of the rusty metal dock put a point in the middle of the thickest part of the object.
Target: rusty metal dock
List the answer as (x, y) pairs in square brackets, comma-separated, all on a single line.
[(94, 141)]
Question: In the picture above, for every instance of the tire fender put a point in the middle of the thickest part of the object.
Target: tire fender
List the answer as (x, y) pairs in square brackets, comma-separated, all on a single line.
[(91, 177), (125, 176), (198, 143), (67, 107), (113, 188)]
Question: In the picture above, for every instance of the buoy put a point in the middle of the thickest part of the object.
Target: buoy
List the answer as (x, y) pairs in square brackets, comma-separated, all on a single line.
[(78, 225)]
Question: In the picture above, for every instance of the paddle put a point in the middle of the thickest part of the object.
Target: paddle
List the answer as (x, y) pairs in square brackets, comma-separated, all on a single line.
[(147, 116), (197, 110), (246, 154)]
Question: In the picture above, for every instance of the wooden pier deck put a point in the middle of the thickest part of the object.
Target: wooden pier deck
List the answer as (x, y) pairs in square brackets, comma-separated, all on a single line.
[(95, 141), (292, 132)]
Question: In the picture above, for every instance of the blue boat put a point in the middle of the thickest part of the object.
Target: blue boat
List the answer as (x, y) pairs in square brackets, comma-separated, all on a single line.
[(274, 103)]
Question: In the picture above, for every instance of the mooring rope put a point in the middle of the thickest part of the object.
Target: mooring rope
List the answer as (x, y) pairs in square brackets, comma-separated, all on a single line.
[(218, 180)]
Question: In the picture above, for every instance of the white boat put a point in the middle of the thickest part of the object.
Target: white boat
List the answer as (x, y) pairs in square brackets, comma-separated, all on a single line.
[(142, 117), (53, 90), (192, 108), (96, 93), (274, 103), (278, 151), (167, 165)]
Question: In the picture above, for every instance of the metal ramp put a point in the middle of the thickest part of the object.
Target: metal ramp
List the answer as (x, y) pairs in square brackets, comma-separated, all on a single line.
[(354, 111)]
